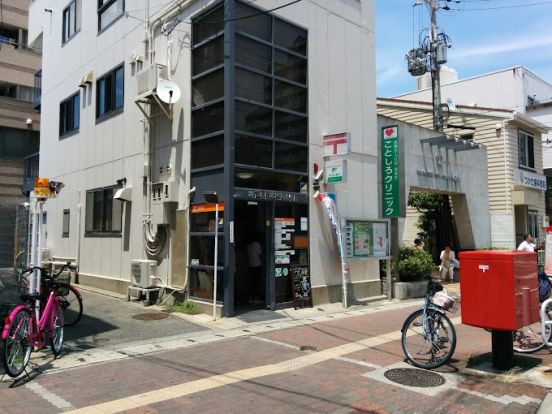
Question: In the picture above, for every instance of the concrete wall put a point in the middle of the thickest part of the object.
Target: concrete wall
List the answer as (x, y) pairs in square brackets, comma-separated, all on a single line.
[(462, 174)]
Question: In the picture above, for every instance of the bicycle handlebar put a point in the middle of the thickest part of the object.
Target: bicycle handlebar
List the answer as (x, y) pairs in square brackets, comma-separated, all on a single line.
[(46, 273)]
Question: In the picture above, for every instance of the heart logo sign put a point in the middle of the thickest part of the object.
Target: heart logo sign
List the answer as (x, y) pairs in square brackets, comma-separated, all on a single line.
[(390, 132)]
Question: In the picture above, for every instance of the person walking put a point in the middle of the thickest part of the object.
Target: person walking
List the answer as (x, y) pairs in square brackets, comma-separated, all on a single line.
[(255, 252), (527, 244)]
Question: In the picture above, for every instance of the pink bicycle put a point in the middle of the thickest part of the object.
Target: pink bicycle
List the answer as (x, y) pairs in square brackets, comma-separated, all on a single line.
[(24, 329)]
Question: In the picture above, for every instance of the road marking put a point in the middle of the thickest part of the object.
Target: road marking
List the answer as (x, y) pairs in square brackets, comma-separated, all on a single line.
[(357, 362), (49, 396), (192, 387), (272, 341)]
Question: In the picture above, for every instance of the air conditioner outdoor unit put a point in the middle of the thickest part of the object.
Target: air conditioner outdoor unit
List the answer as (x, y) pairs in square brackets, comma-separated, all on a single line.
[(141, 272), (147, 80)]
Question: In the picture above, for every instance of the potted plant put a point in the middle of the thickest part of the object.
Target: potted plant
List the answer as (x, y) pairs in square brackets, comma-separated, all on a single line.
[(413, 266)]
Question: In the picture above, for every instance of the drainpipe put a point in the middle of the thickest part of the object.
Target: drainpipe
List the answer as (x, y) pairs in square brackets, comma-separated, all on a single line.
[(79, 209), (168, 14), (507, 179)]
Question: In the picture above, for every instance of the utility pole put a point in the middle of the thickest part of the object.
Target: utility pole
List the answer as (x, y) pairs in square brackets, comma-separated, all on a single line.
[(429, 56), (435, 69)]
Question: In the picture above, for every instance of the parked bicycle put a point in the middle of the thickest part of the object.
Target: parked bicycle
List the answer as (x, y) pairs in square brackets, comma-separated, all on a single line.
[(69, 297), (428, 336), (536, 336), (24, 328)]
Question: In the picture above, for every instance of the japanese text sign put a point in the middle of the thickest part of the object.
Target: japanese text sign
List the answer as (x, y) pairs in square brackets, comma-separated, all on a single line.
[(390, 171)]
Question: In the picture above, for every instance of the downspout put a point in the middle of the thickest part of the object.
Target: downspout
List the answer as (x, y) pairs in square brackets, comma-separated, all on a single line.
[(79, 209), (171, 11), (507, 178)]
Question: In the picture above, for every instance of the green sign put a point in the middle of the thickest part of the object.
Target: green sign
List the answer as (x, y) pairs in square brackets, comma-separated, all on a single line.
[(390, 172), (335, 171)]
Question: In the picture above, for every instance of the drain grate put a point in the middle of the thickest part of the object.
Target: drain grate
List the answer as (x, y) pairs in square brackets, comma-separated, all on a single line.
[(150, 316), (414, 377), (307, 348)]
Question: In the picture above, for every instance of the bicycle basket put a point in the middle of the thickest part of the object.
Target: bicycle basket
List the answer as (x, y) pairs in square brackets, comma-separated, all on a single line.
[(62, 283), (447, 300)]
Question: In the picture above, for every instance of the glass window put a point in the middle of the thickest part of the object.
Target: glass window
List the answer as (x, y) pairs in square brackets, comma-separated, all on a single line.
[(289, 96), (290, 157), (71, 21), (253, 118), (110, 92), (208, 88), (253, 87), (109, 11), (202, 248), (103, 212), (253, 151), (69, 114), (526, 150), (204, 27), (208, 56), (207, 120), (290, 37), (258, 25), (290, 67), (65, 223), (289, 126), (208, 152), (253, 54)]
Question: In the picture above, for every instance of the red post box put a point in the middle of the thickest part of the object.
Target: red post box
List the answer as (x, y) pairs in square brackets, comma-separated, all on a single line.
[(499, 289)]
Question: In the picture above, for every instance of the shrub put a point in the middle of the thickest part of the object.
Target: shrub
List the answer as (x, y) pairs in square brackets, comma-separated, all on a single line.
[(414, 264)]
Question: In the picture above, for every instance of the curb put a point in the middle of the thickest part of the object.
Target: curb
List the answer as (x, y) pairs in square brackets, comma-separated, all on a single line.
[(546, 405)]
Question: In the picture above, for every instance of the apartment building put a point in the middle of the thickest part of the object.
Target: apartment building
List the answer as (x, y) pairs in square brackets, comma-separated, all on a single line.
[(516, 183), (19, 121), (159, 109)]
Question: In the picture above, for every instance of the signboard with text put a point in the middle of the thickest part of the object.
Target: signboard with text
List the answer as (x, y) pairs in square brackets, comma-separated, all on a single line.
[(390, 183), (366, 239), (335, 171)]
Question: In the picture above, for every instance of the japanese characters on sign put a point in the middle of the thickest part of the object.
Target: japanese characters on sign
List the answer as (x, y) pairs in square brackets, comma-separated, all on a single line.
[(390, 171)]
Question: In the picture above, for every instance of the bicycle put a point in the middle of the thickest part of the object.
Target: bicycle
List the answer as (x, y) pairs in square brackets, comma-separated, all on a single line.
[(24, 329), (69, 297), (428, 336), (534, 337)]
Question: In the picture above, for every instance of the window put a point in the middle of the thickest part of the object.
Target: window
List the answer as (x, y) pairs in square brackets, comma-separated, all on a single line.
[(526, 150), (110, 92), (65, 224), (71, 20), (109, 11), (69, 114), (533, 223), (103, 212), (19, 92)]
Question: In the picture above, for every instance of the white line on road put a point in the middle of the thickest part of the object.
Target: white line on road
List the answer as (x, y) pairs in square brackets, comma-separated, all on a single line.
[(49, 396)]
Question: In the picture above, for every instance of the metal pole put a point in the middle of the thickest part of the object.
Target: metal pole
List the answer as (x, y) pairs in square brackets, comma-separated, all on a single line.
[(215, 264), (435, 69), (388, 279), (36, 275), (33, 243)]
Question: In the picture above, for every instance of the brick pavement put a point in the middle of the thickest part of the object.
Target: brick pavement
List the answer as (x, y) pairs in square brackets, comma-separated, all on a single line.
[(338, 383)]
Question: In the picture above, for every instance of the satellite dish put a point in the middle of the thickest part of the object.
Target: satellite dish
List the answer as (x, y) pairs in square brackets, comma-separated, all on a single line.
[(168, 91)]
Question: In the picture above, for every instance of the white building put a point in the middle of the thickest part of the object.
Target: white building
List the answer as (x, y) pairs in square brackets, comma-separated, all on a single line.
[(257, 95)]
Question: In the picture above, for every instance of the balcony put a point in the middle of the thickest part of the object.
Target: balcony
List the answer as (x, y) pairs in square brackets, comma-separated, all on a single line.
[(31, 163)]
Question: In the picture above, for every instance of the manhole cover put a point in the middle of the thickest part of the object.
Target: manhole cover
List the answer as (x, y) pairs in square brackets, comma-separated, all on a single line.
[(307, 348), (150, 316), (414, 377)]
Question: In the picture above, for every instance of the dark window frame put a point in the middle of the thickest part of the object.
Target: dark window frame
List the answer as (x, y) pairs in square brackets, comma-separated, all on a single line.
[(66, 225), (112, 77), (106, 211), (102, 8), (73, 20), (526, 158), (64, 129)]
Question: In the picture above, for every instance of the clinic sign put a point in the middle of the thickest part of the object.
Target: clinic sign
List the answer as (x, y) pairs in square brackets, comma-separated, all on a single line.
[(530, 179), (390, 171)]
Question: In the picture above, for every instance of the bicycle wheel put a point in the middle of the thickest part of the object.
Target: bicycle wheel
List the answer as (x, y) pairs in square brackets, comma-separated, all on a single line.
[(72, 307), (16, 349), (56, 339), (428, 342), (529, 338)]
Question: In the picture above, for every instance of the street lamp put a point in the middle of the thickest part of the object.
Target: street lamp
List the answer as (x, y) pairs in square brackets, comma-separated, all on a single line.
[(211, 197)]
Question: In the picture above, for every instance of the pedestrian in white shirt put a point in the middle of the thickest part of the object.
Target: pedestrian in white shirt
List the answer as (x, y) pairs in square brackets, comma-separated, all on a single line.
[(527, 244)]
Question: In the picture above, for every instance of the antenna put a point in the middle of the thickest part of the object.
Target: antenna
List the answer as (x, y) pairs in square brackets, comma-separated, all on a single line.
[(168, 91)]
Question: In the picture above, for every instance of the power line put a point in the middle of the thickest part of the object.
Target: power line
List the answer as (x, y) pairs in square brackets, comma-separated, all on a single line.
[(254, 14), (502, 7)]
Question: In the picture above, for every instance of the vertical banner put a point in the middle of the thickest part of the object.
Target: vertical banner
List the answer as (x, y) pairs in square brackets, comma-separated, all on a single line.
[(548, 251), (390, 172)]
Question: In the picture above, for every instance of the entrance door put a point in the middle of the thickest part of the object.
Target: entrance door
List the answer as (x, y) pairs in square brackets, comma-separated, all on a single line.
[(250, 256)]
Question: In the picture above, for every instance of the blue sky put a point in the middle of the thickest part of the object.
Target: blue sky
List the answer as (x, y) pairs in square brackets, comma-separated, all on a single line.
[(482, 40)]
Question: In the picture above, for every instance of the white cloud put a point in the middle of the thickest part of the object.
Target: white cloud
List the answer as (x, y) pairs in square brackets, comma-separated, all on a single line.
[(390, 73), (526, 43)]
